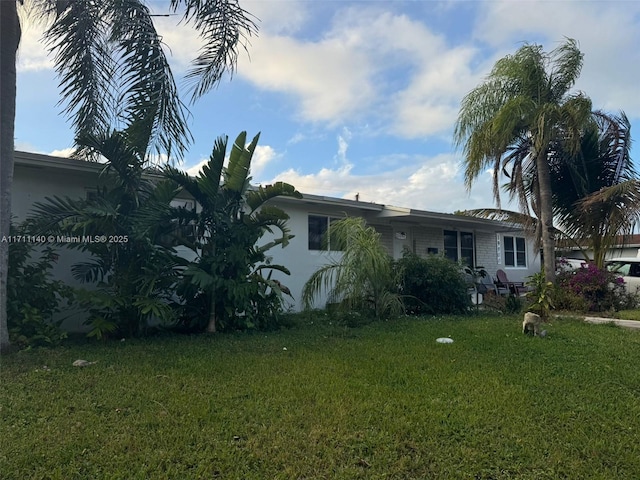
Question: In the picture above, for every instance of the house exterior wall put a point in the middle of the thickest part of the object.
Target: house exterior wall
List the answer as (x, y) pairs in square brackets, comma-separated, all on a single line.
[(37, 177), (515, 273), (32, 185)]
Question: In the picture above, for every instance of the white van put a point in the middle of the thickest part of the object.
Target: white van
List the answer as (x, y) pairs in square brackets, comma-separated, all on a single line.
[(629, 269)]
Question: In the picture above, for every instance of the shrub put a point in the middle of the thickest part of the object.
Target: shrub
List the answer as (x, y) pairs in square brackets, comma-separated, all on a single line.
[(541, 295), (363, 279), (432, 285), (32, 296), (592, 289)]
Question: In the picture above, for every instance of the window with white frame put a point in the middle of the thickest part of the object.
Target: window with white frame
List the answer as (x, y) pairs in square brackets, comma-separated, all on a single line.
[(320, 233), (515, 251), (459, 246)]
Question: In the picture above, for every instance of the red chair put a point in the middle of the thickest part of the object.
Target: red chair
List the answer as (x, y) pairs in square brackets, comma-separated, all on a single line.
[(517, 288)]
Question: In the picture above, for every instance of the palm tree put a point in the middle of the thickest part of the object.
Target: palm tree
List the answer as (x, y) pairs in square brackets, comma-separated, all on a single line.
[(112, 68), (595, 189), (224, 231), (135, 271), (9, 40), (515, 116), (362, 277)]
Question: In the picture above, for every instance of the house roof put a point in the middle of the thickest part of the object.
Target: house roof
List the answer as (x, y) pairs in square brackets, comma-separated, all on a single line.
[(622, 241), (387, 213), (392, 213), (38, 161)]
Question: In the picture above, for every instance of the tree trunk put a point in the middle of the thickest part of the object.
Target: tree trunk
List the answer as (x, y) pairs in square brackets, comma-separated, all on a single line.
[(211, 327), (546, 217), (9, 41)]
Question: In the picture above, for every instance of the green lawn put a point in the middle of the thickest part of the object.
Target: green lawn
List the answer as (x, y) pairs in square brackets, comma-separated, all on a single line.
[(381, 401)]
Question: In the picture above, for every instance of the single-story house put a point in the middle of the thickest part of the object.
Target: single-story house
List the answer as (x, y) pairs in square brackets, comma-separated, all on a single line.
[(479, 242), (624, 247)]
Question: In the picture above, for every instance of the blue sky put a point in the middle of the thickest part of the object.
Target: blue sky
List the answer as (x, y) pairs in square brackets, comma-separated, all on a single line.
[(361, 97)]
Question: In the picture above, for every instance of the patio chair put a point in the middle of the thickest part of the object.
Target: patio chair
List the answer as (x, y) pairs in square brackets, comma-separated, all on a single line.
[(517, 288), (490, 286)]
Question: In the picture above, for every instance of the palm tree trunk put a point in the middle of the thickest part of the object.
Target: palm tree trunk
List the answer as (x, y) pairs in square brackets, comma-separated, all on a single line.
[(546, 217), (211, 327), (9, 41)]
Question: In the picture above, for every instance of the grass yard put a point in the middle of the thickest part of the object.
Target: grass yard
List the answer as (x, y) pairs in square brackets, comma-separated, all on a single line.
[(321, 401)]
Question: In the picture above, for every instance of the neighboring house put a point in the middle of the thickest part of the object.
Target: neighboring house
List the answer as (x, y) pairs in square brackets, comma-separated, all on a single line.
[(479, 242), (625, 247)]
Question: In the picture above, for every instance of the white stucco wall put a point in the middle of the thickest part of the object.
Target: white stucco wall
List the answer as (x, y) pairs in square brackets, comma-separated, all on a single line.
[(398, 229)]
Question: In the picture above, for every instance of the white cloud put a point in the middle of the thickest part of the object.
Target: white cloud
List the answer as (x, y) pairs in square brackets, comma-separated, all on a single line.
[(371, 64), (279, 16), (330, 81), (262, 156), (429, 105), (32, 53), (195, 170), (65, 152), (607, 33), (343, 145)]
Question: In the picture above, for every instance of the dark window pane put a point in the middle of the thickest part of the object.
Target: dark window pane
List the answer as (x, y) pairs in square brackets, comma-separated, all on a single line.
[(508, 259), (317, 229), (508, 244), (451, 245), (515, 252), (509, 252), (466, 240), (466, 248), (521, 252)]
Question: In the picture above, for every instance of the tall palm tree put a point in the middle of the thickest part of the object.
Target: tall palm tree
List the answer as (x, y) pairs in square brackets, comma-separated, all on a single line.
[(515, 115), (9, 40), (596, 192), (112, 68)]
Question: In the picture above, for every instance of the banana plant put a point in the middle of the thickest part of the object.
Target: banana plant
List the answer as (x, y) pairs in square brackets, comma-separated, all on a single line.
[(224, 232)]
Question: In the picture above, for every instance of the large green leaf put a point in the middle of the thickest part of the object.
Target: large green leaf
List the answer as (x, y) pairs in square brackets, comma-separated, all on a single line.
[(236, 175), (256, 198)]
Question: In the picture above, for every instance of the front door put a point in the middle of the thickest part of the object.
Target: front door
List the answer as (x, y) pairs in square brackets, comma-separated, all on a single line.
[(401, 240)]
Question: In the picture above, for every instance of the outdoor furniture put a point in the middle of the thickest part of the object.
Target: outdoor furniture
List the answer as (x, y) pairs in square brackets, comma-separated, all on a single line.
[(517, 288), (489, 285)]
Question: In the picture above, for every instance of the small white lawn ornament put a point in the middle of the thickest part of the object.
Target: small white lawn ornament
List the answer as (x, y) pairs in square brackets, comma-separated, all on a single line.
[(82, 363), (444, 340)]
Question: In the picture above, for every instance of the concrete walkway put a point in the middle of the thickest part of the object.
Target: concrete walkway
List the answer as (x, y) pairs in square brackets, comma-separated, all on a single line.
[(617, 321)]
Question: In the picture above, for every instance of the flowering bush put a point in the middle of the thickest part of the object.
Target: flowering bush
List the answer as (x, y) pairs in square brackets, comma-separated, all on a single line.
[(592, 289)]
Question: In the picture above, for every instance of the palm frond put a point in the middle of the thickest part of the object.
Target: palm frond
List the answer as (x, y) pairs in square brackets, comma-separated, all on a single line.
[(322, 280), (225, 27), (48, 216), (150, 106), (78, 40), (566, 62), (90, 272)]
